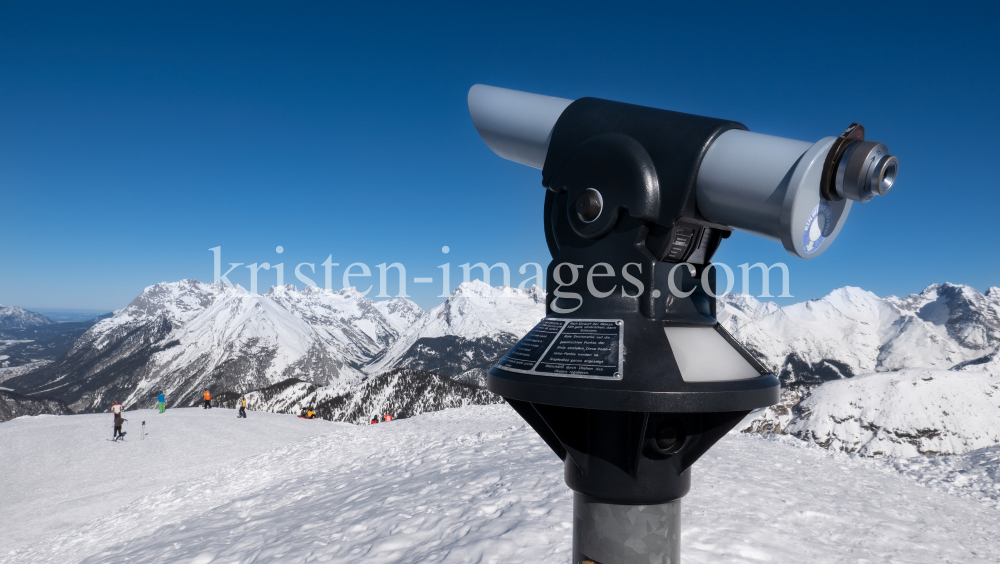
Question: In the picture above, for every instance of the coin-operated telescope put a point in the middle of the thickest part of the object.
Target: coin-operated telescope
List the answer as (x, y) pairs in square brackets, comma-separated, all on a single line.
[(630, 378)]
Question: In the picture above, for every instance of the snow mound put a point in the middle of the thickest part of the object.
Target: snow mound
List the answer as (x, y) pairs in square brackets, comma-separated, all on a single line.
[(974, 475), (902, 414)]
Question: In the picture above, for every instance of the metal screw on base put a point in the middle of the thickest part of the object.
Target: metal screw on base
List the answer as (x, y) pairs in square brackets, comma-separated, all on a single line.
[(605, 533)]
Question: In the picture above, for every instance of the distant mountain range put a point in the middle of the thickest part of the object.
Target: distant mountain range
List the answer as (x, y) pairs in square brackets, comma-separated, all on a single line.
[(852, 331), (349, 357), (13, 317), (29, 340), (182, 337)]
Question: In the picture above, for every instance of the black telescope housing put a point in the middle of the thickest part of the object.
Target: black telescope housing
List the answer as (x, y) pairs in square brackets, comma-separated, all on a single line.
[(630, 378), (622, 417)]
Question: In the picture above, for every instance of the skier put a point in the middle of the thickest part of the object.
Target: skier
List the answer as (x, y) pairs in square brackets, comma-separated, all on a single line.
[(116, 408), (208, 399), (374, 419), (118, 428), (161, 402), (243, 408)]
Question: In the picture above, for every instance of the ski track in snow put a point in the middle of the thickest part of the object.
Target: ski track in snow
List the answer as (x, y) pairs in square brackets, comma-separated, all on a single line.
[(477, 485), (974, 475)]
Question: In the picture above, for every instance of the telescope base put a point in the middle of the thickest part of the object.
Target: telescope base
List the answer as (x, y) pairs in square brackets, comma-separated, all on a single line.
[(605, 533)]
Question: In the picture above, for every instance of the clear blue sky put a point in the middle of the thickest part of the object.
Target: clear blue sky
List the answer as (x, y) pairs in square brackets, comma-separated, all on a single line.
[(136, 136)]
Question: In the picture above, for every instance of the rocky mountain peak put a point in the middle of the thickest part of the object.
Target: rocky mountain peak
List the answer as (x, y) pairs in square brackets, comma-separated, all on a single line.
[(971, 318), (400, 312), (482, 318), (176, 299)]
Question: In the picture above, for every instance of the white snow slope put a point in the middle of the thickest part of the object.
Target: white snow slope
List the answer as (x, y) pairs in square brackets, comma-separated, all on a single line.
[(903, 414), (58, 473), (463, 485)]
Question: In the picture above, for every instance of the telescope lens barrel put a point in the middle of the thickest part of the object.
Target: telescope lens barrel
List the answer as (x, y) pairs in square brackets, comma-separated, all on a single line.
[(866, 170)]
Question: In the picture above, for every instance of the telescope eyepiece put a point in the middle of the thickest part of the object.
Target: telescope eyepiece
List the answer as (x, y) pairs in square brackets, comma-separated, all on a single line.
[(886, 169), (866, 170)]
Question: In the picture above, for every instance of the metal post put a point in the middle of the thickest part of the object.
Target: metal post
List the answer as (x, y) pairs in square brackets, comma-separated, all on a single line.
[(605, 533)]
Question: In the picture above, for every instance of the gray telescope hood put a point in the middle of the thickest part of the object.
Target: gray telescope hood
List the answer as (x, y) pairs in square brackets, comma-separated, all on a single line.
[(516, 125)]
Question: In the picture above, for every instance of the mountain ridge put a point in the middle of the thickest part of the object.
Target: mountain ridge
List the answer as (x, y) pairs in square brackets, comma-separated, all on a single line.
[(312, 346), (180, 337)]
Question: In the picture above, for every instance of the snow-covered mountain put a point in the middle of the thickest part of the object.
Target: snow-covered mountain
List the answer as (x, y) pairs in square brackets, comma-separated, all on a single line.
[(350, 357), (181, 337), (852, 331), (13, 317), (438, 361), (923, 370), (401, 313), (332, 347), (469, 331)]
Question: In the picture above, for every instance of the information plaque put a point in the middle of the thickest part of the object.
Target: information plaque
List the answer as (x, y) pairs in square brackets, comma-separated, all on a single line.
[(572, 348)]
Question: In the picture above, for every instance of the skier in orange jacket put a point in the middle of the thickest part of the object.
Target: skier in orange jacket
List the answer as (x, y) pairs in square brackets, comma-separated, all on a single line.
[(208, 399)]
